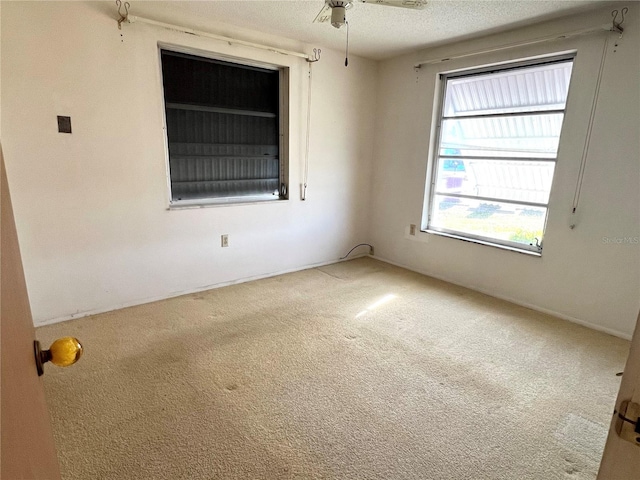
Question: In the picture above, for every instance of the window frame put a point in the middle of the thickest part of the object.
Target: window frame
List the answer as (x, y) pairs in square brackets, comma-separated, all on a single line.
[(283, 134), (439, 101)]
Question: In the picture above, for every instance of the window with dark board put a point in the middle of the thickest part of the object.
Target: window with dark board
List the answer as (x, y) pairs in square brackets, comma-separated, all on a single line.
[(223, 129)]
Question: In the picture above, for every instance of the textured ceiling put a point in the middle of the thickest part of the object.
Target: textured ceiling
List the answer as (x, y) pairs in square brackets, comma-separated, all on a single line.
[(376, 32)]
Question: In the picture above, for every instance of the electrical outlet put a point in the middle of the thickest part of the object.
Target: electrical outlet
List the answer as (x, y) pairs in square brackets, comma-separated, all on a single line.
[(412, 229), (224, 240)]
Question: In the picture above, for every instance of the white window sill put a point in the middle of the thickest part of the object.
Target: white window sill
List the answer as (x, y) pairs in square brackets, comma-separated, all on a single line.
[(225, 202), (483, 242)]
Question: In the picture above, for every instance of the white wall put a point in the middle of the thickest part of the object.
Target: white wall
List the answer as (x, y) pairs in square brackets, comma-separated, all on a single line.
[(91, 207), (579, 276)]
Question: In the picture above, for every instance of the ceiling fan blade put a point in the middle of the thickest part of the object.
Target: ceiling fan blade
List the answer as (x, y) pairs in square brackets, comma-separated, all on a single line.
[(413, 4), (324, 15)]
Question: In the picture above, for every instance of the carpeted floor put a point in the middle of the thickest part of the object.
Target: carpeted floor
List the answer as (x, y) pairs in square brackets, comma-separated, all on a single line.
[(358, 370)]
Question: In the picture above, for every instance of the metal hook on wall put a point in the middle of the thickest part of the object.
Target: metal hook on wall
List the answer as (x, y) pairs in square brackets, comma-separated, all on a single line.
[(316, 56), (123, 17), (617, 26), (538, 244)]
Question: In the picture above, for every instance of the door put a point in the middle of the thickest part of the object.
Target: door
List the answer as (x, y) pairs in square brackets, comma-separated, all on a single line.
[(621, 459), (27, 450)]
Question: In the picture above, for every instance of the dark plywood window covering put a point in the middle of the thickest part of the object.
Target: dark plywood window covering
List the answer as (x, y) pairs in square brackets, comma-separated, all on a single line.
[(223, 128)]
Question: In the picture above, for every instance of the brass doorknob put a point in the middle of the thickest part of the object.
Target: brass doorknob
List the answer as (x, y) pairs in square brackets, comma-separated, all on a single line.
[(63, 352)]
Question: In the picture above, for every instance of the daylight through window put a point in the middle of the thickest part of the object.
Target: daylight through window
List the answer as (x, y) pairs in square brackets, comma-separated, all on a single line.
[(499, 131)]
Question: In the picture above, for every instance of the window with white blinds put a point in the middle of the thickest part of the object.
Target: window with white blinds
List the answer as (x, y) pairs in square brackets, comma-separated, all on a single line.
[(498, 135), (224, 129)]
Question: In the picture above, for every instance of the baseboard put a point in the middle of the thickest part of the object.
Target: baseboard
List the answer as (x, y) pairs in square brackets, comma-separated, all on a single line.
[(562, 316), (87, 313), (143, 301)]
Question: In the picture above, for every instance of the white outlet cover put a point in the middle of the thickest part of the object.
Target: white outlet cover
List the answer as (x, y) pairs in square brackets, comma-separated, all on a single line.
[(419, 236)]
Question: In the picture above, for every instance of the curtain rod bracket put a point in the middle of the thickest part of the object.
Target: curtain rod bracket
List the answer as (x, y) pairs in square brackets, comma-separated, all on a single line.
[(315, 57), (123, 17), (615, 25)]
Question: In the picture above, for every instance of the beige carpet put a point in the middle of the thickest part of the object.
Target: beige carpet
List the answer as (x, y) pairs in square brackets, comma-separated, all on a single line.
[(358, 370)]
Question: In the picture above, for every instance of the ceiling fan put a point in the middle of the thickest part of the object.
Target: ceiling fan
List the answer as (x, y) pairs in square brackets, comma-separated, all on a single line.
[(335, 10)]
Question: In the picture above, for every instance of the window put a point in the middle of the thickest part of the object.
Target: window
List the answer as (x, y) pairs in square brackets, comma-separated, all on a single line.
[(226, 129), (498, 135)]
